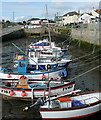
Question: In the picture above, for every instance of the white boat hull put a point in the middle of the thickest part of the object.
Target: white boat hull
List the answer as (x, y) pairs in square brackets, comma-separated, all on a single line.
[(65, 114), (33, 76), (36, 93)]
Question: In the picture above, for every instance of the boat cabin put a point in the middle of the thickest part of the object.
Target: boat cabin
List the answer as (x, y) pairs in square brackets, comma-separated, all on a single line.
[(25, 67), (22, 82), (64, 102)]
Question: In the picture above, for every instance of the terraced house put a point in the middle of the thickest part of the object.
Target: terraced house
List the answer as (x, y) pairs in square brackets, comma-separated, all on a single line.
[(70, 18)]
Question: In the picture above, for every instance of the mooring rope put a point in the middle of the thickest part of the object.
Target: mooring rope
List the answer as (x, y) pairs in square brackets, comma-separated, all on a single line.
[(85, 55), (85, 73), (79, 65)]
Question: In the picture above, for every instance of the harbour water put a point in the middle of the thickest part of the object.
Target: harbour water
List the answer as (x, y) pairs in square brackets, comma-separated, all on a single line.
[(13, 109)]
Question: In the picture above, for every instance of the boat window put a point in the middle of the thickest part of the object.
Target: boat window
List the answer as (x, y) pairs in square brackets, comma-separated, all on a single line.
[(46, 53), (36, 54), (31, 56), (55, 104), (22, 64), (70, 86)]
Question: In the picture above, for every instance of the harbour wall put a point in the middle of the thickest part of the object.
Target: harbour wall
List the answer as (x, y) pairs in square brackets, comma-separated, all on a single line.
[(86, 35), (90, 34), (13, 35)]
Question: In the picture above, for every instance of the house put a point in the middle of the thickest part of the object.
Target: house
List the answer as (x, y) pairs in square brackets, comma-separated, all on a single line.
[(44, 21), (70, 18), (97, 14), (85, 18), (91, 17), (34, 21), (47, 22)]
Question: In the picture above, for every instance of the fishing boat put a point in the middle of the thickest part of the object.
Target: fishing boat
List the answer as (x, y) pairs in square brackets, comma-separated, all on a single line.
[(45, 45), (25, 90), (35, 71), (45, 62), (44, 56), (13, 75), (69, 107)]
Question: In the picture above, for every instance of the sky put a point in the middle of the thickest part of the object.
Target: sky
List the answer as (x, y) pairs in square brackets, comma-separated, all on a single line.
[(20, 10)]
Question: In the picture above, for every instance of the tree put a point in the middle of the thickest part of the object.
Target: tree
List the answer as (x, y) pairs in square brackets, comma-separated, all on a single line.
[(8, 22), (24, 22)]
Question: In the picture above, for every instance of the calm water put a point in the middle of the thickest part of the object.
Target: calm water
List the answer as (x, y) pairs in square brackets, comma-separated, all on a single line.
[(13, 109)]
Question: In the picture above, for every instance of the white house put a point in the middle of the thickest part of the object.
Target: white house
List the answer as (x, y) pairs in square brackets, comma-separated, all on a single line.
[(88, 18), (34, 21), (85, 18), (95, 13), (70, 18)]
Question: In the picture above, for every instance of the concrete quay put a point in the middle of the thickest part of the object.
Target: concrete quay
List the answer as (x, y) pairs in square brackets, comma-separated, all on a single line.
[(9, 30), (11, 33)]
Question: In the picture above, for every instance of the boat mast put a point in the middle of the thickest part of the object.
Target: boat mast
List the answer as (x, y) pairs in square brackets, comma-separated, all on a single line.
[(46, 17)]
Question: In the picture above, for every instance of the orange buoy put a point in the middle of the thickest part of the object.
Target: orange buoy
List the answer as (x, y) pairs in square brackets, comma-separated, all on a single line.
[(11, 93), (23, 93)]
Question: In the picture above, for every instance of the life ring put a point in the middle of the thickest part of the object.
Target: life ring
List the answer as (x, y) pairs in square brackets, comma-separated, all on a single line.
[(23, 77), (48, 66), (52, 59)]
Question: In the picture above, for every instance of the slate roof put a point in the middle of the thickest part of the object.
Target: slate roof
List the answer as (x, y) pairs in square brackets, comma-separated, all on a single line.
[(71, 13), (98, 11), (33, 19)]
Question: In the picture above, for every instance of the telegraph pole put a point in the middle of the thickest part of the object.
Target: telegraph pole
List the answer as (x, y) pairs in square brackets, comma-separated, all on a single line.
[(46, 15), (13, 15)]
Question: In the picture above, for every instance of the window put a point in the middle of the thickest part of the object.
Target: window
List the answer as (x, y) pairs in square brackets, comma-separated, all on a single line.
[(22, 64)]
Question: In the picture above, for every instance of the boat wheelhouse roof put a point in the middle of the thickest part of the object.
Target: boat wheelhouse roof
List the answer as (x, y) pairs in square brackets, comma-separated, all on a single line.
[(64, 99), (42, 44)]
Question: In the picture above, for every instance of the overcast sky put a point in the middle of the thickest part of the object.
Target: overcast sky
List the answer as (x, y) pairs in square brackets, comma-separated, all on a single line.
[(26, 9)]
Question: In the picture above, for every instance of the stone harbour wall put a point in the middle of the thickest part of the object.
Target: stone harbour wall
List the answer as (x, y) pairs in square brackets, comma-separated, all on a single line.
[(87, 35)]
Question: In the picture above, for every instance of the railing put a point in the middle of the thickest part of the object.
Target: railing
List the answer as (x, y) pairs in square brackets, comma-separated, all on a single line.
[(89, 99)]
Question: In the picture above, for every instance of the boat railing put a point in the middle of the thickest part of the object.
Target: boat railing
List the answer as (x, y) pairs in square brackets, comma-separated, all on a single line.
[(85, 100)]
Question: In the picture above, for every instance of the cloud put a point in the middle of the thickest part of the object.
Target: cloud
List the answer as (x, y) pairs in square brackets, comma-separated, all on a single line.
[(62, 6), (4, 18), (21, 18), (89, 6)]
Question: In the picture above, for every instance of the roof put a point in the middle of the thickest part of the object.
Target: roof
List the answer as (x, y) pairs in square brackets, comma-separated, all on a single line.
[(98, 11), (33, 19), (64, 99), (86, 13), (71, 13)]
